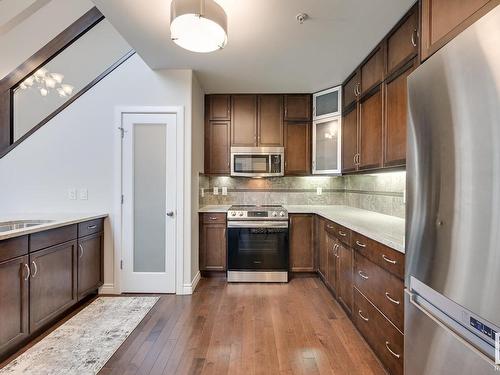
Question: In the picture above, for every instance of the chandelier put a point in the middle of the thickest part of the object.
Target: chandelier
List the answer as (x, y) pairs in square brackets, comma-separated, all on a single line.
[(46, 82)]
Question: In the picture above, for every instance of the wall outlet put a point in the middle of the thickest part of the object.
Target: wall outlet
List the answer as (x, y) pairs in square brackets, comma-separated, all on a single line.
[(72, 194), (202, 192), (319, 191), (224, 190), (216, 190), (84, 194)]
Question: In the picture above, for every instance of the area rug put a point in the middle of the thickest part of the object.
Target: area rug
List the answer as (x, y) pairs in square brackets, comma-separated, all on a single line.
[(87, 341)]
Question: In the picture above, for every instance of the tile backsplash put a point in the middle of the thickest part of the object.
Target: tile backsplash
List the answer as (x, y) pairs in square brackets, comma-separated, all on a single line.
[(382, 192)]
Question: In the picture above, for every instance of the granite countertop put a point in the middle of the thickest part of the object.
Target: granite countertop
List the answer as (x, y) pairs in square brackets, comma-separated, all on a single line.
[(388, 230), (57, 220)]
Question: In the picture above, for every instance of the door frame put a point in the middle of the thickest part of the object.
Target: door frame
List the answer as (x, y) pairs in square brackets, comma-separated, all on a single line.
[(178, 111)]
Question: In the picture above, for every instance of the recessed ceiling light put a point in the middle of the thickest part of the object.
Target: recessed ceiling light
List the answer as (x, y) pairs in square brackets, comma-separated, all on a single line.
[(198, 25)]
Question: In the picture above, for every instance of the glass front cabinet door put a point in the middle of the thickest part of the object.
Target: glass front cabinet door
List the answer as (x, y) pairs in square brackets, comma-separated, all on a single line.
[(327, 103), (326, 146)]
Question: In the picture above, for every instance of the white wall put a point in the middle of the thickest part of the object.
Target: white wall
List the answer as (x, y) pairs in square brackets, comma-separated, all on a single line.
[(32, 33), (197, 167), (77, 149)]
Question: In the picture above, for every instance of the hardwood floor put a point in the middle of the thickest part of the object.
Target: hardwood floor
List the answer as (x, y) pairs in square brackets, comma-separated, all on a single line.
[(294, 328)]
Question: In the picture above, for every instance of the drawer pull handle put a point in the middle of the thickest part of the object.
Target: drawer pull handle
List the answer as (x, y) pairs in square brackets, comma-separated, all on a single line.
[(329, 226), (92, 226), (360, 244), (388, 296), (36, 269), (388, 260), (362, 317), (361, 273), (213, 218), (390, 351), (342, 233), (28, 271)]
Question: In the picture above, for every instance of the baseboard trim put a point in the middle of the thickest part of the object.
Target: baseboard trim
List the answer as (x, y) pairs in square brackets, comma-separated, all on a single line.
[(107, 289), (189, 288)]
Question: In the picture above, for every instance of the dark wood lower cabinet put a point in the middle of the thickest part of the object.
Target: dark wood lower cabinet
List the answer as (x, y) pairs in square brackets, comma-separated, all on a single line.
[(90, 264), (322, 245), (332, 264), (302, 243), (213, 248), (53, 283), (14, 302), (344, 264)]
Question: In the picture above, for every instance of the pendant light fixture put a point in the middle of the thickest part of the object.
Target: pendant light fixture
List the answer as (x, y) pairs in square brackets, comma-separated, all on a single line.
[(198, 25)]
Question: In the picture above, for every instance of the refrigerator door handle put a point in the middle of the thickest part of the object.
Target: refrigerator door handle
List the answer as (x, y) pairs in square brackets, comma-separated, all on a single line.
[(449, 325)]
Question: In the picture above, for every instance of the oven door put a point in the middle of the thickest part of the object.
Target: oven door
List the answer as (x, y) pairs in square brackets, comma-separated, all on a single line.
[(257, 246)]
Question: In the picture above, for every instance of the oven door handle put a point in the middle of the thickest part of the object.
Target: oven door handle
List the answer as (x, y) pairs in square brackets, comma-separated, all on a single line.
[(257, 224)]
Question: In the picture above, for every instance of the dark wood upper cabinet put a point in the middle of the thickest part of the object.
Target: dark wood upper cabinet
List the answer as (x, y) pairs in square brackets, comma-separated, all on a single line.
[(90, 264), (297, 148), (372, 71), (302, 243), (219, 107), (442, 20), (402, 42), (370, 131), (217, 147), (396, 119), (351, 89), (212, 242), (298, 107), (53, 283), (244, 120), (270, 120), (14, 302), (350, 140)]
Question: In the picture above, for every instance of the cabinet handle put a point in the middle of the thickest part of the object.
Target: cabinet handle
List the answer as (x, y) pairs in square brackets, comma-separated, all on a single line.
[(361, 273), (329, 226), (342, 233), (81, 249), (360, 244), (414, 35), (388, 260), (358, 159), (213, 218), (388, 296), (390, 351), (36, 269), (27, 268), (362, 317), (92, 226)]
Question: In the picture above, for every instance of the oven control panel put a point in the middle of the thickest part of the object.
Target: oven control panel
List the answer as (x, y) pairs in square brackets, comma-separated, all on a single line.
[(260, 214)]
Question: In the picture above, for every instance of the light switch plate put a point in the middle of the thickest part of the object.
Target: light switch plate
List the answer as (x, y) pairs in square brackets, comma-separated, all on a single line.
[(224, 190), (72, 194), (216, 190), (319, 191), (84, 194)]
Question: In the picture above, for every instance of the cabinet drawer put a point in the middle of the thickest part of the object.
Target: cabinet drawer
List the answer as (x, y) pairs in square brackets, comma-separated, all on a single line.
[(342, 233), (383, 289), (214, 218), (389, 259), (90, 227), (386, 341), (52, 237), (13, 247)]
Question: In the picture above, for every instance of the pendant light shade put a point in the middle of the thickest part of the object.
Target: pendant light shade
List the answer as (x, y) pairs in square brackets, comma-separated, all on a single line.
[(198, 25)]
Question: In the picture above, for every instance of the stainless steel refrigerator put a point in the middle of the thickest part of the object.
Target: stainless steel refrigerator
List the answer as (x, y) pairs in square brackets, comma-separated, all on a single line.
[(452, 300)]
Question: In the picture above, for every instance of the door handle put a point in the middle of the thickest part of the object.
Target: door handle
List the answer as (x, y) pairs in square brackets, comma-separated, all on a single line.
[(170, 213), (81, 249), (36, 269), (28, 271), (388, 296), (362, 274)]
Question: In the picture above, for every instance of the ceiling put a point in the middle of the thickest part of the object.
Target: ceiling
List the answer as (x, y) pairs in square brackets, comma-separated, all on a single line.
[(267, 50)]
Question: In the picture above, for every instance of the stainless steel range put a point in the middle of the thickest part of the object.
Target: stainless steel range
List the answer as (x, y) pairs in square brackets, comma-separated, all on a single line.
[(257, 241)]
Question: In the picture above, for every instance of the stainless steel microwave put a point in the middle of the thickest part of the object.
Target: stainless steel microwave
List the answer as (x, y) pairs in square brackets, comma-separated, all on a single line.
[(257, 161)]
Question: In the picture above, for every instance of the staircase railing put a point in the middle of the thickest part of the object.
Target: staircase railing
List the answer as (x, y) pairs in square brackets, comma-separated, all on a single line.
[(57, 75)]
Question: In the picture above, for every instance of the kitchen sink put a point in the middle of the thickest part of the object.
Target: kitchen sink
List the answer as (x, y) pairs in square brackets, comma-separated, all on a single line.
[(7, 226)]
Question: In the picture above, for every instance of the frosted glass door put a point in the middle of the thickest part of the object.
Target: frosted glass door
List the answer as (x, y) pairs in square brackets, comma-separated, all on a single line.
[(326, 103), (326, 146), (149, 196)]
